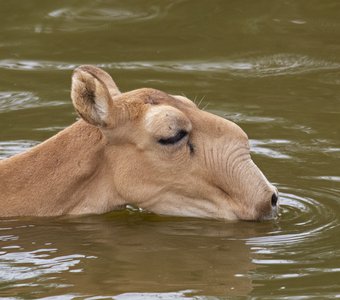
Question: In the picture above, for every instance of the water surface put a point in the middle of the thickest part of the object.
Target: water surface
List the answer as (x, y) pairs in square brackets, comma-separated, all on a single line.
[(273, 67)]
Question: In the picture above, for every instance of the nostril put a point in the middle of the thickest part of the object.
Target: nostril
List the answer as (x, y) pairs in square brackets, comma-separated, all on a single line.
[(274, 199)]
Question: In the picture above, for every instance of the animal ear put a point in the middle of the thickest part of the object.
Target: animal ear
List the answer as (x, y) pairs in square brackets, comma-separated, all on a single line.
[(92, 92), (102, 76)]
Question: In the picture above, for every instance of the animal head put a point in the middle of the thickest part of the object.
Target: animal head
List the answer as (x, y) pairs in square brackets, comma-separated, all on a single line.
[(168, 156)]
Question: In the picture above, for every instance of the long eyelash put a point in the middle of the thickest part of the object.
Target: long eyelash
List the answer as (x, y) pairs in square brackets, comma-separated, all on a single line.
[(174, 139)]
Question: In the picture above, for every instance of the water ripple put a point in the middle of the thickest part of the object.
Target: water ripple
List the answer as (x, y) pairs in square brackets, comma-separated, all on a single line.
[(180, 295), (93, 18), (13, 64), (262, 147), (272, 65), (302, 244), (302, 219), (10, 101), (10, 148), (38, 263), (102, 14)]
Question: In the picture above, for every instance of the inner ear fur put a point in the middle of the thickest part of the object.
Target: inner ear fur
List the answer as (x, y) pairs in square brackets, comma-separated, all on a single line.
[(102, 76), (90, 95)]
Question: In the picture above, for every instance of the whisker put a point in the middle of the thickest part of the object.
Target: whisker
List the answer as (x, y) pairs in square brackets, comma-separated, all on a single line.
[(205, 107), (200, 101)]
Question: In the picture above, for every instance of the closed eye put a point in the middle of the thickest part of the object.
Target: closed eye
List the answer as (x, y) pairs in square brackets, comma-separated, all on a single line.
[(174, 139)]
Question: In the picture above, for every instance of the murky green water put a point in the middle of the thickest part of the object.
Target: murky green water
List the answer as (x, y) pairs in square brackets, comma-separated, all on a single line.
[(271, 66)]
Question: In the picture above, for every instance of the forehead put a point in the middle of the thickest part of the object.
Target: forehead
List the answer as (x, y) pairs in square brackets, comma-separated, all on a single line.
[(179, 107), (185, 101), (158, 114), (156, 97)]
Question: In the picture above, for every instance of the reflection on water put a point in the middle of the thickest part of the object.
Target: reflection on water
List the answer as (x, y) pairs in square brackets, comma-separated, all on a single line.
[(273, 67), (106, 254)]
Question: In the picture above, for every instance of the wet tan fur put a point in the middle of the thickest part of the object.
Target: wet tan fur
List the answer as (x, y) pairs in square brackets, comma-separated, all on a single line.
[(113, 157)]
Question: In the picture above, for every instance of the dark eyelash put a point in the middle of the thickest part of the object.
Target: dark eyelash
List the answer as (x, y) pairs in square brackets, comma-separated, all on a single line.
[(174, 139)]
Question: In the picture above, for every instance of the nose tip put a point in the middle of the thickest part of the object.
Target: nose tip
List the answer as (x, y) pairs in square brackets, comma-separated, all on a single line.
[(274, 200)]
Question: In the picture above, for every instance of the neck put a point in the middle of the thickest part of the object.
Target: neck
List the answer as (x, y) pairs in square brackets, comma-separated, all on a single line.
[(67, 174)]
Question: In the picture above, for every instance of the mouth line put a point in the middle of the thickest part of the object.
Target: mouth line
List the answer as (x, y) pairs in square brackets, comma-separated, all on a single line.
[(243, 215), (271, 216)]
